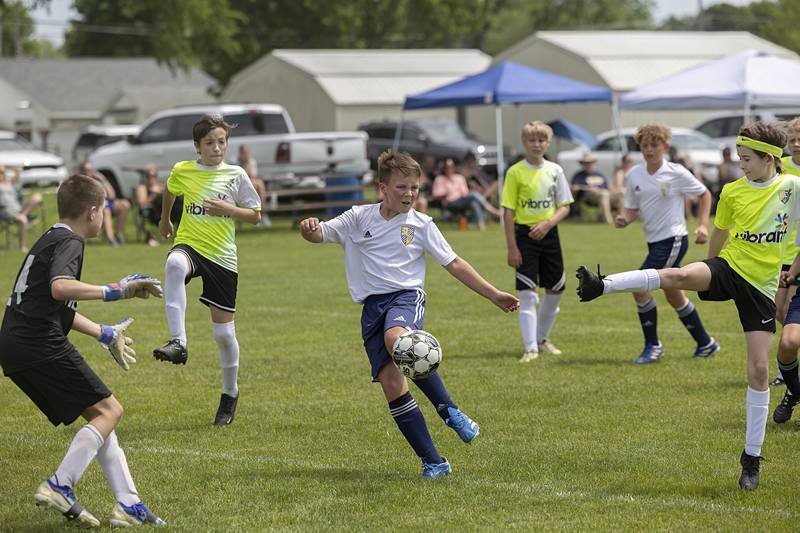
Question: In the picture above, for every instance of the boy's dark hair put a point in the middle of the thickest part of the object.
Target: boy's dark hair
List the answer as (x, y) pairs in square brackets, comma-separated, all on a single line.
[(768, 133), (391, 161), (76, 194), (208, 123)]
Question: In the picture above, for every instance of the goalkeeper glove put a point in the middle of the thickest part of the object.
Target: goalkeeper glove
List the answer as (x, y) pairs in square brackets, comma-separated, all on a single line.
[(113, 338), (133, 286)]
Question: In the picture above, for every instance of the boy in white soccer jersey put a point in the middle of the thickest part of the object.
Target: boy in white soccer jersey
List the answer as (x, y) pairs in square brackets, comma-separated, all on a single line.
[(384, 246), (37, 356), (755, 212), (215, 196), (536, 197), (656, 189)]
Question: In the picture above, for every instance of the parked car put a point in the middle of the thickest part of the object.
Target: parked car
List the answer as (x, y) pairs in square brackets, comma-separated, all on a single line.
[(281, 154), (724, 128), (704, 152), (97, 135), (38, 167), (440, 137)]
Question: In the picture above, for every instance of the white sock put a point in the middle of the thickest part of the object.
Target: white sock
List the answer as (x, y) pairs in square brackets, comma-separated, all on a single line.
[(548, 309), (527, 319), (175, 272), (81, 452), (646, 280), (756, 421), (225, 335), (115, 467)]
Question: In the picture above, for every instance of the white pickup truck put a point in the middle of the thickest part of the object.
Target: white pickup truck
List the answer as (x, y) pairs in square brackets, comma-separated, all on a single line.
[(282, 155)]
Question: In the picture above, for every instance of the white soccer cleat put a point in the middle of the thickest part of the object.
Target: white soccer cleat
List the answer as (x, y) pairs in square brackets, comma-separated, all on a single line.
[(62, 499), (135, 515), (528, 356), (545, 346)]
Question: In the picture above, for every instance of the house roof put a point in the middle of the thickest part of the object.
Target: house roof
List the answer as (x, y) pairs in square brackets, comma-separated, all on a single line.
[(82, 87), (627, 59), (384, 77), (148, 100)]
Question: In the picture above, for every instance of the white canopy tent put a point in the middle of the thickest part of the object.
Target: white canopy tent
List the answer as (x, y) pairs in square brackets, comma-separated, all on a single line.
[(746, 80)]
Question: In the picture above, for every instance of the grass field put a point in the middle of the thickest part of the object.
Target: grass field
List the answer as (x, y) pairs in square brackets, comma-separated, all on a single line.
[(581, 441)]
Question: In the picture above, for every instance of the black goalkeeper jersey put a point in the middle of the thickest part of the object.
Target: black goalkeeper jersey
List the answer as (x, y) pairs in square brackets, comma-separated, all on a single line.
[(35, 326)]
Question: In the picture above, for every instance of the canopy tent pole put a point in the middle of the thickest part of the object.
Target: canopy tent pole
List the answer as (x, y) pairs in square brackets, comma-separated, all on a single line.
[(501, 165), (518, 125), (398, 129), (615, 121)]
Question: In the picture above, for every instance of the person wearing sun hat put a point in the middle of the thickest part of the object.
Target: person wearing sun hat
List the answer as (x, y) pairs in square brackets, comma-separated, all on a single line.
[(591, 186)]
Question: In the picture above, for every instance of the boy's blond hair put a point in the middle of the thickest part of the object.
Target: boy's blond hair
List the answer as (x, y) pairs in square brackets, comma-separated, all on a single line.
[(537, 129), (794, 125), (652, 132), (401, 162)]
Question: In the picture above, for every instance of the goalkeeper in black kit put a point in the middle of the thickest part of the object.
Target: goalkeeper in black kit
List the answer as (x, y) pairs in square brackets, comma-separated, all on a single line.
[(37, 356)]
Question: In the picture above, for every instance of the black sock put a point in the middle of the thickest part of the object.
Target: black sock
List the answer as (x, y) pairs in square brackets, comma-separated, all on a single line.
[(789, 372), (648, 316), (412, 425), (433, 387)]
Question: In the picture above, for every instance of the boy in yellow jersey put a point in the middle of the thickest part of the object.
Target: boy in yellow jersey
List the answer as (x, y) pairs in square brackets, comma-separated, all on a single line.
[(788, 313), (536, 198), (754, 212), (215, 196)]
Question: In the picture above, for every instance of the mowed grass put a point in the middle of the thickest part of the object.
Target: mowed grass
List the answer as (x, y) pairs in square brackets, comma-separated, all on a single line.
[(582, 441)]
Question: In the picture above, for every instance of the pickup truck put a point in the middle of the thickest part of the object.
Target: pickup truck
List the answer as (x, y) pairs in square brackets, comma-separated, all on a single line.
[(282, 155)]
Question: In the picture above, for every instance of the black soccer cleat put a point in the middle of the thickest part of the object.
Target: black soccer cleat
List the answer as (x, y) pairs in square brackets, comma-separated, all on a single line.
[(749, 478), (783, 412), (173, 351), (590, 286), (227, 410)]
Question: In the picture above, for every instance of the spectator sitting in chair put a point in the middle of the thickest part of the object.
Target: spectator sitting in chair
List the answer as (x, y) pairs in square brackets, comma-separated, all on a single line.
[(11, 208), (115, 207), (451, 189), (250, 166), (149, 194), (590, 186)]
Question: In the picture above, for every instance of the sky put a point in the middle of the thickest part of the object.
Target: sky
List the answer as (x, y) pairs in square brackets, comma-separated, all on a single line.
[(51, 24)]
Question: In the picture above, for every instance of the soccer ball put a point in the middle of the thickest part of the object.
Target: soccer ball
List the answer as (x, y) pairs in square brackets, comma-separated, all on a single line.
[(417, 354)]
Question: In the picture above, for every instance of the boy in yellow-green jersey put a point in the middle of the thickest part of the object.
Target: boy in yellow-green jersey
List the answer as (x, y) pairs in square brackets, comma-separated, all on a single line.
[(753, 215), (536, 198), (215, 196)]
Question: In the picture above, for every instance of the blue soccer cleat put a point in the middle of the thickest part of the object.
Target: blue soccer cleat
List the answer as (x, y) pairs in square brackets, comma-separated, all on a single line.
[(708, 350), (62, 499), (466, 428), (432, 471), (651, 354), (134, 515)]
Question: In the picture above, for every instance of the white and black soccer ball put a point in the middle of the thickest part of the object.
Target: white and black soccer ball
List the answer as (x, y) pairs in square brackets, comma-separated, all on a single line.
[(417, 354)]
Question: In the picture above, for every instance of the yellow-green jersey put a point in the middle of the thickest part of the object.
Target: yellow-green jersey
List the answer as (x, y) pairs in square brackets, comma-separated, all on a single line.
[(758, 217), (790, 167), (213, 237), (533, 192)]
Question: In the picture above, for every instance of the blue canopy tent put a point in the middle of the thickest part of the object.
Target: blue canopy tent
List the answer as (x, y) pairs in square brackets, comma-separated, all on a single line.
[(572, 132), (506, 83)]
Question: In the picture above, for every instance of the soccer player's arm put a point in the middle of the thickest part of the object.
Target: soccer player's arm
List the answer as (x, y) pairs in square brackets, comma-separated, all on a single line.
[(630, 206), (333, 230), (171, 191), (696, 188), (112, 338), (722, 224), (436, 245), (509, 202)]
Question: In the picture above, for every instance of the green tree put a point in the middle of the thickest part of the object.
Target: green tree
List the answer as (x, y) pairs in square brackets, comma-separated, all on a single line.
[(180, 33), (17, 29)]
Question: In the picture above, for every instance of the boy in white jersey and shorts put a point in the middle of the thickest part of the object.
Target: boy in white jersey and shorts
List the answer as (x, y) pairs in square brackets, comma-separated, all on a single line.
[(536, 197), (384, 246), (656, 190), (755, 212), (215, 196)]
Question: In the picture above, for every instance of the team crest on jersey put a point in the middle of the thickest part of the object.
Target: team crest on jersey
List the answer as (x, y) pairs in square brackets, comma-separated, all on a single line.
[(787, 194), (406, 234), (664, 188), (781, 221)]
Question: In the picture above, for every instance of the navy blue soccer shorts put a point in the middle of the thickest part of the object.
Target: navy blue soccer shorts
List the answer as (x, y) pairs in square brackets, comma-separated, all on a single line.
[(667, 253), (793, 312), (381, 312)]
